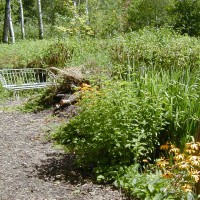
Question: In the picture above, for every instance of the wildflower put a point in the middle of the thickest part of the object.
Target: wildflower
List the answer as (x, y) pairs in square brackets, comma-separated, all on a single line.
[(162, 163), (198, 143), (179, 157), (174, 150), (167, 174), (195, 176), (190, 151), (188, 145), (164, 147), (195, 160), (187, 188), (194, 146), (184, 165), (173, 146), (85, 85)]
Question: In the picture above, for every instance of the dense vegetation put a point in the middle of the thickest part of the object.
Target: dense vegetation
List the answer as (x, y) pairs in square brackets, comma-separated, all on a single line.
[(139, 126)]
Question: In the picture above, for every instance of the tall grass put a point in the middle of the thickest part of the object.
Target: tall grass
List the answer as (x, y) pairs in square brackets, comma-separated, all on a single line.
[(22, 53)]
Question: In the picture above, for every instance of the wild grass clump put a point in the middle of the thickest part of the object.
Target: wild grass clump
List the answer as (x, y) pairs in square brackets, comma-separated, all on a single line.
[(20, 54)]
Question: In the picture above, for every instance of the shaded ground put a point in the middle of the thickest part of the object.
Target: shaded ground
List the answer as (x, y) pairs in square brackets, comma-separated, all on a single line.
[(30, 168)]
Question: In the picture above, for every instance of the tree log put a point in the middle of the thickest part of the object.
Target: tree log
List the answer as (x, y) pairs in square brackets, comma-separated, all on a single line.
[(72, 99)]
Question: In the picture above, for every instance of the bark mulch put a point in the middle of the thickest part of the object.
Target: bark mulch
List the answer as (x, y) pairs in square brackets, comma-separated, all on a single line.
[(31, 168)]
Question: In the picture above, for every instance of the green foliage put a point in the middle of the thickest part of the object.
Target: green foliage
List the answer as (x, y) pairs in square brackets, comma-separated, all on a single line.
[(154, 13), (107, 17), (4, 94), (116, 126), (187, 17), (104, 18), (155, 48), (57, 54), (22, 53), (40, 101), (150, 186), (124, 121)]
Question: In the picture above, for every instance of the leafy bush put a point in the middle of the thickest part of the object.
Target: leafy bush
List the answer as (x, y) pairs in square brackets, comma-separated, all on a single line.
[(186, 14), (124, 121), (150, 185), (40, 101), (152, 13), (116, 126)]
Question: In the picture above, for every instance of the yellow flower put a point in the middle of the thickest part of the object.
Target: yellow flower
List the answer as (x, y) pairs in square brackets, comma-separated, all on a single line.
[(179, 157), (174, 150), (167, 174), (190, 151), (184, 165), (194, 146), (162, 163), (173, 146), (196, 177), (188, 145), (198, 143), (194, 174), (195, 160), (164, 147), (85, 85), (187, 188)]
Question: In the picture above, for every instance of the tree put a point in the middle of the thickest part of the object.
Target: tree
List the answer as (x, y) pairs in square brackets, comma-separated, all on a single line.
[(11, 29), (8, 26), (22, 19), (187, 17), (143, 13), (40, 22)]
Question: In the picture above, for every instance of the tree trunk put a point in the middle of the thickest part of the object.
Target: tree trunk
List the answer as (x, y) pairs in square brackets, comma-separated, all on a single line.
[(87, 11), (22, 19), (6, 22), (11, 29), (40, 23), (75, 9)]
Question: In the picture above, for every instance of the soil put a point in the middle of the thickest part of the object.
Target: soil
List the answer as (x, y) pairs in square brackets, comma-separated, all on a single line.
[(32, 168)]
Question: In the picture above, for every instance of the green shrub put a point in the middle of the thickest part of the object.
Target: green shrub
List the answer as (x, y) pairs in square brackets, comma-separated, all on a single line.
[(116, 126), (125, 121), (150, 185), (186, 14)]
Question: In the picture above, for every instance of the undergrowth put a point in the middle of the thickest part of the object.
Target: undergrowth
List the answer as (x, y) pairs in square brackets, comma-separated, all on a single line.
[(152, 97)]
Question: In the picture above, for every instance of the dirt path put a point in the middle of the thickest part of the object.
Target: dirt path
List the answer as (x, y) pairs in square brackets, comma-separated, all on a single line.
[(30, 168)]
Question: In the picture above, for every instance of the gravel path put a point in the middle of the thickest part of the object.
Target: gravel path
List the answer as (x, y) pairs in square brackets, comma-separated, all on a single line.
[(30, 168)]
